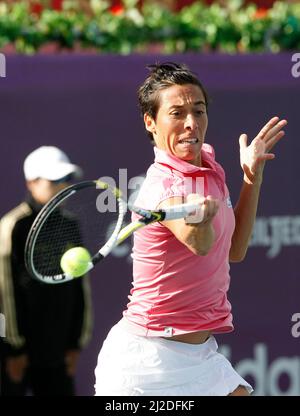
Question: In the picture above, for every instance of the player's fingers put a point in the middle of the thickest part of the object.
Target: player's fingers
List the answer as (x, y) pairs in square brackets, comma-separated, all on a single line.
[(262, 159), (198, 215), (267, 127), (274, 131), (243, 140), (271, 142), (211, 206)]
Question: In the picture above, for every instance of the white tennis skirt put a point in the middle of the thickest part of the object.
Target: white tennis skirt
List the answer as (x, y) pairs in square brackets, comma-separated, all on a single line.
[(132, 365)]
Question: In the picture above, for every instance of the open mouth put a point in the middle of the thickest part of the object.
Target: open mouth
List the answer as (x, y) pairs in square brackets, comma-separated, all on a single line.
[(192, 140)]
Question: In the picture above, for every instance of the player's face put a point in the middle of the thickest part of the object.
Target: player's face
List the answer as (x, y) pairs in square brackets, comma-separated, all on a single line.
[(181, 122), (43, 190)]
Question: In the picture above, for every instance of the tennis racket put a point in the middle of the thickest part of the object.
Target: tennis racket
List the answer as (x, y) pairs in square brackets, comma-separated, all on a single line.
[(88, 214)]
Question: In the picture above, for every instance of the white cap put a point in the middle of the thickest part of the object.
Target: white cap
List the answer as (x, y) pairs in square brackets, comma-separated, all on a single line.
[(49, 162)]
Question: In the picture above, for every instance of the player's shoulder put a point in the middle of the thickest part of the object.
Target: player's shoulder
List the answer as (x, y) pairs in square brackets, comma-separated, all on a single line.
[(159, 184), (158, 178)]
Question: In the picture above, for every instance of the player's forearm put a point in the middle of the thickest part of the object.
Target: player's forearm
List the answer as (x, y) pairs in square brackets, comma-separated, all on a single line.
[(245, 214), (199, 238)]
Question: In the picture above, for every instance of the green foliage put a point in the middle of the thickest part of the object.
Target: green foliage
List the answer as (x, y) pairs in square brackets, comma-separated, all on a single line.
[(231, 29)]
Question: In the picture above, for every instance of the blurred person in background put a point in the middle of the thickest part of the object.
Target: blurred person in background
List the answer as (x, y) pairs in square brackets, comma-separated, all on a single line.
[(46, 325)]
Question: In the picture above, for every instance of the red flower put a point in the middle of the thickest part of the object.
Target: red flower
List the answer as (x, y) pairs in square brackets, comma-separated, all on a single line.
[(117, 9), (36, 8), (260, 13), (56, 5)]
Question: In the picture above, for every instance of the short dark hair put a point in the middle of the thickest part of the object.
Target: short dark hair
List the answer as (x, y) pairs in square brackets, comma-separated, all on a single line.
[(163, 76)]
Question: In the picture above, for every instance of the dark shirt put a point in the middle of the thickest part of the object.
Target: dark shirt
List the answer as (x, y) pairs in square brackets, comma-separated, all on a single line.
[(51, 318)]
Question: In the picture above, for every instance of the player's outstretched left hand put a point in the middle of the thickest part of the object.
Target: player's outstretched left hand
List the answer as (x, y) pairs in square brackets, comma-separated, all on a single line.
[(254, 156)]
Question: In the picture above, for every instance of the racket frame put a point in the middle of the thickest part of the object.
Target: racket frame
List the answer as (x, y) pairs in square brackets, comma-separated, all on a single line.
[(119, 234)]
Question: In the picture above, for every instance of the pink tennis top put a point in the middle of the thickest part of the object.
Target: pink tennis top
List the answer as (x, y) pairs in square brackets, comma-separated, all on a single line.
[(175, 291)]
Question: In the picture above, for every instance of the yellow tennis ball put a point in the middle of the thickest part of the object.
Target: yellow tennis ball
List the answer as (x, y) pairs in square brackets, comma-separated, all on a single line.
[(75, 262)]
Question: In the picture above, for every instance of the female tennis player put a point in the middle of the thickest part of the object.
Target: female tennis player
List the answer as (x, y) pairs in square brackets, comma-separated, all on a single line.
[(164, 345)]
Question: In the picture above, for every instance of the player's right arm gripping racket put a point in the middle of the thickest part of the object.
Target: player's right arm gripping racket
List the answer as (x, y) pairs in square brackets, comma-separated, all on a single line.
[(89, 214)]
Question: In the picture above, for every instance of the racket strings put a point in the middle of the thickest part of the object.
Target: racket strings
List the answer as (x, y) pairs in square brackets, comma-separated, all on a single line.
[(74, 222)]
